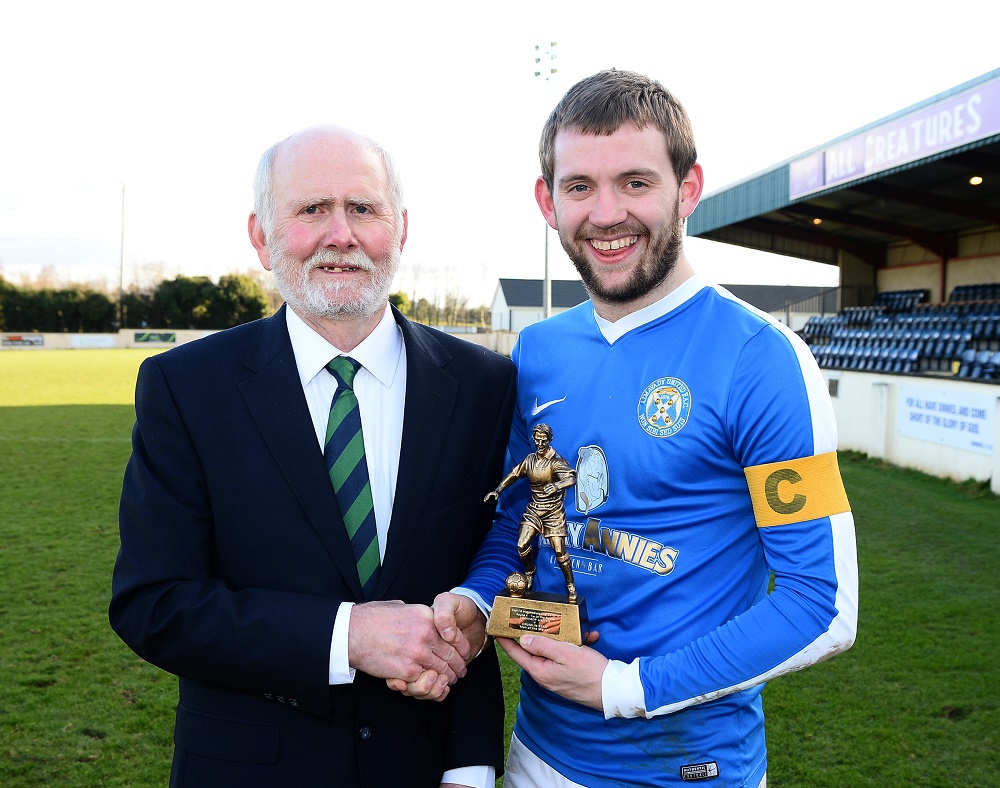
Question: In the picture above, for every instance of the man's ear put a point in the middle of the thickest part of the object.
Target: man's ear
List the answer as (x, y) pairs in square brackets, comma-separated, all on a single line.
[(259, 241), (406, 225), (690, 191), (543, 196)]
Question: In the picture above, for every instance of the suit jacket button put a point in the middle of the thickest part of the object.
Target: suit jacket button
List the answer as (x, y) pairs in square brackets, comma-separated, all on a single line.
[(280, 699), (293, 702), (268, 696), (365, 733)]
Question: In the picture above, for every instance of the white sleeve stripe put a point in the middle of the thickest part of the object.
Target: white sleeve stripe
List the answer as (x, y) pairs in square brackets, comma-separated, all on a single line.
[(837, 638), (824, 423)]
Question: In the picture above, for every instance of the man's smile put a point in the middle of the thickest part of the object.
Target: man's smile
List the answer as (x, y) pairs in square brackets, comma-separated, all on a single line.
[(615, 245), (337, 269)]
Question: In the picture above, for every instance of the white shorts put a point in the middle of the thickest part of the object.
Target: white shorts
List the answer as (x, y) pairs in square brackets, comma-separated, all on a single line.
[(527, 770)]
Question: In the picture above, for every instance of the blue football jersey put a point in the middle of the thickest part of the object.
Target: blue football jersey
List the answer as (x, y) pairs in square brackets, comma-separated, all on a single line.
[(704, 444)]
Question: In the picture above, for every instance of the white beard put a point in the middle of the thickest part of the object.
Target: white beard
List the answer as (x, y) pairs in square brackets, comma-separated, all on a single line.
[(333, 300)]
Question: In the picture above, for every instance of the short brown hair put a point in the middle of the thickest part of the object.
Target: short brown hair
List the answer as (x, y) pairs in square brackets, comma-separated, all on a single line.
[(602, 103)]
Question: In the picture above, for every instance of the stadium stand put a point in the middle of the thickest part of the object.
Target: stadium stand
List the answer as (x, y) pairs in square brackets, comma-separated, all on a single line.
[(903, 334), (984, 292)]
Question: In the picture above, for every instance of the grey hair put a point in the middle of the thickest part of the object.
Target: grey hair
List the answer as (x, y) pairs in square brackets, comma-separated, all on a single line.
[(263, 184)]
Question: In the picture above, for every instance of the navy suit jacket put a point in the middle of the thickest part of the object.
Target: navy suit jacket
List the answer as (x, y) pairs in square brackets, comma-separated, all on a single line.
[(234, 560)]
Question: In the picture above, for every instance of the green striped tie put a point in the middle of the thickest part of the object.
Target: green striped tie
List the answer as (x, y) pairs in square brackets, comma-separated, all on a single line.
[(348, 469)]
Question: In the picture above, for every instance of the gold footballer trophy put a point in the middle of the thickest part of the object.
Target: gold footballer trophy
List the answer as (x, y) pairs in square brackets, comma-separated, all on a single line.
[(522, 611)]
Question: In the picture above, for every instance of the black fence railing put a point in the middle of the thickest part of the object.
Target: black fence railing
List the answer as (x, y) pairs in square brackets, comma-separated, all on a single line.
[(830, 301)]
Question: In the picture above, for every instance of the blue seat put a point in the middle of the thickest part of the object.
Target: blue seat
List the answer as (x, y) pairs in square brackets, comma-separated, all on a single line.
[(854, 359), (872, 357), (990, 328), (982, 358), (966, 361), (845, 353), (882, 363), (864, 355), (828, 354), (896, 356), (991, 369)]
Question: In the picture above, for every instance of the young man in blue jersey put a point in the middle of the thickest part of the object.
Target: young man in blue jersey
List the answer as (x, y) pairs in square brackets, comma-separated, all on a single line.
[(705, 450)]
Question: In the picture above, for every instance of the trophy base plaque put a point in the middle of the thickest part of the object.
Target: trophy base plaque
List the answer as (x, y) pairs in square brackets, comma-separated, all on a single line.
[(538, 613)]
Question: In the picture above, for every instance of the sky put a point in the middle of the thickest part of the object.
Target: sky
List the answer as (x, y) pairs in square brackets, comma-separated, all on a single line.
[(173, 103)]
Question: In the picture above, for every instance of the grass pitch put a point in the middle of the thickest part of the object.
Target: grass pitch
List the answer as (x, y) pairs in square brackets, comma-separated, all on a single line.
[(916, 702)]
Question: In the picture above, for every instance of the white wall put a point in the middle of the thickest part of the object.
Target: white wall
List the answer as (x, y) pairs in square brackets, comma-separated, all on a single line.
[(923, 276), (126, 337), (499, 313), (866, 405), (498, 341), (521, 318)]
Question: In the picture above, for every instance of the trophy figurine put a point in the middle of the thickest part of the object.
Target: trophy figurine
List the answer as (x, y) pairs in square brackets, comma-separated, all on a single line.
[(521, 611)]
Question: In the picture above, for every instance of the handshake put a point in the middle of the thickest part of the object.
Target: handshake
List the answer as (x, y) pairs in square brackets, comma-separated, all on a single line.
[(420, 651)]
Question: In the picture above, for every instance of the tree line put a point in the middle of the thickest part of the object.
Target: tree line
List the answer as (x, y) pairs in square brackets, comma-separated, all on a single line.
[(182, 303), (453, 312)]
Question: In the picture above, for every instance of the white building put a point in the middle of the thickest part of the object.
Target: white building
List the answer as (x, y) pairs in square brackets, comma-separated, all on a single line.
[(518, 302)]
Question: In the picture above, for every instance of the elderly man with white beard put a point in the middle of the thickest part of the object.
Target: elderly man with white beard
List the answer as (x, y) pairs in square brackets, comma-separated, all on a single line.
[(299, 491)]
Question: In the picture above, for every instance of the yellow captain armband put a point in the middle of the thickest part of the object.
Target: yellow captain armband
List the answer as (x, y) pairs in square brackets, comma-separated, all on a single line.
[(797, 490)]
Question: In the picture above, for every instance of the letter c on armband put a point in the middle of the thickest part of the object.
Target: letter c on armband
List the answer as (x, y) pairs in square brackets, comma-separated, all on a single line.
[(798, 490), (773, 496)]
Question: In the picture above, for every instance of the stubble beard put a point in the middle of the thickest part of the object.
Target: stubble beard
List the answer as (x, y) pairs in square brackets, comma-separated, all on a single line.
[(656, 265), (334, 299)]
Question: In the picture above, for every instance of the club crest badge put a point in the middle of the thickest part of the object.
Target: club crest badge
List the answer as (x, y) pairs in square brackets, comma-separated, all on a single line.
[(664, 407), (591, 479)]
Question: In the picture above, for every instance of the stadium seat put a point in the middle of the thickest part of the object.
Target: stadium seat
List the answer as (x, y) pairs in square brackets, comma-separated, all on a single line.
[(982, 358), (966, 361), (950, 351), (884, 360), (897, 358), (990, 331), (991, 369), (863, 357)]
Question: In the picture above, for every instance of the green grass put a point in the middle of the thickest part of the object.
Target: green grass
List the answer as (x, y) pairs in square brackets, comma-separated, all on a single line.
[(916, 702)]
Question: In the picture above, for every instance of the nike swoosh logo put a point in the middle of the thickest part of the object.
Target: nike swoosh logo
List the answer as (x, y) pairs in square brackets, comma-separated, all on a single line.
[(539, 408)]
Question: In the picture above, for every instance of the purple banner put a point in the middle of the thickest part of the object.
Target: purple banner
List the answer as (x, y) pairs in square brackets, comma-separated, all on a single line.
[(950, 123), (806, 175)]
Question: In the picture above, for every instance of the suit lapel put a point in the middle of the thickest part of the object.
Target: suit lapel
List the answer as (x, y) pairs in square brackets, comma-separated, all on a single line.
[(430, 399), (278, 407)]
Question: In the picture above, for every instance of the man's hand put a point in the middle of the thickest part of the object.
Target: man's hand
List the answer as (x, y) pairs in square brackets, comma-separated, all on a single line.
[(574, 672), (462, 625), (392, 640)]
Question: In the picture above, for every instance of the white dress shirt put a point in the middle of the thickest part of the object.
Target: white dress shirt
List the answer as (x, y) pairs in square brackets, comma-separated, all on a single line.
[(380, 386)]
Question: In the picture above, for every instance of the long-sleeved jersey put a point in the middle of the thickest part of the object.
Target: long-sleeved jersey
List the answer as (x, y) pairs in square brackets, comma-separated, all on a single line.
[(704, 444)]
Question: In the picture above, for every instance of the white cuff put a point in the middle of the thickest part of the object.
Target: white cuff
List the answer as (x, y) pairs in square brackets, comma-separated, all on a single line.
[(621, 690), (484, 608), (476, 776), (340, 671)]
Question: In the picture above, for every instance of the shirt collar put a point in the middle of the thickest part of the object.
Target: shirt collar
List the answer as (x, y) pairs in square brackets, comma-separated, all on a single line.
[(379, 352), (614, 331)]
